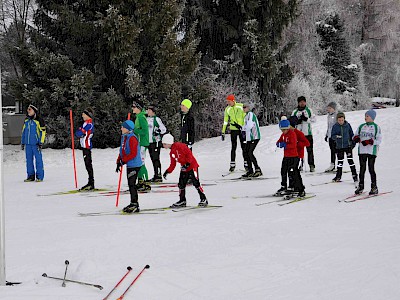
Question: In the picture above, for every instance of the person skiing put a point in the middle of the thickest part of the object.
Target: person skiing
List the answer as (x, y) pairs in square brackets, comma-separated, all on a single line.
[(234, 117), (252, 135), (129, 155), (32, 139), (156, 131), (142, 132), (369, 137), (302, 142), (290, 161), (85, 135), (305, 116), (187, 124), (332, 119), (342, 135), (180, 153)]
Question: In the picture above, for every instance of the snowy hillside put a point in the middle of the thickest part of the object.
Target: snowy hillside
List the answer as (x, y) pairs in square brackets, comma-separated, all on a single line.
[(314, 249)]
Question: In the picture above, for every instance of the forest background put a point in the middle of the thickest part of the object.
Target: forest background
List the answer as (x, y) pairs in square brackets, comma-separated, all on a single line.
[(63, 55)]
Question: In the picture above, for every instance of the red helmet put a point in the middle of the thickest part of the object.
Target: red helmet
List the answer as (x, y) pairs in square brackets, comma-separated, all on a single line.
[(230, 97)]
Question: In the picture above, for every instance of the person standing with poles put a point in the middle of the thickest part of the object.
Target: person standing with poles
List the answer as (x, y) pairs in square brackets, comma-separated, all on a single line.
[(85, 135), (156, 131), (142, 132), (332, 116), (187, 124), (305, 116), (33, 136), (234, 117)]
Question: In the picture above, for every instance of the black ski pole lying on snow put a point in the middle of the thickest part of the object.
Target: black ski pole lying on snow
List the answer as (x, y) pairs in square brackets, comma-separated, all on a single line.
[(74, 281), (65, 273)]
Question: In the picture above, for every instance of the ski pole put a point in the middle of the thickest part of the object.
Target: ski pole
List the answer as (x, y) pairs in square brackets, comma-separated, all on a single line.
[(65, 274), (74, 281), (73, 146), (129, 270), (120, 175), (123, 295)]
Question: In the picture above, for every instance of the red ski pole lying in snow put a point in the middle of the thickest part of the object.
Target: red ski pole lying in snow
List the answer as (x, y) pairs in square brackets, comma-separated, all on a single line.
[(123, 295), (129, 270)]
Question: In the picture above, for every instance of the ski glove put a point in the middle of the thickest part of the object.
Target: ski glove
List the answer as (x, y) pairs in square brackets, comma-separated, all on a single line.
[(356, 139), (244, 135), (22, 147), (304, 118), (368, 142), (281, 145), (119, 166), (39, 147), (299, 120), (326, 138), (185, 167), (165, 175), (223, 136)]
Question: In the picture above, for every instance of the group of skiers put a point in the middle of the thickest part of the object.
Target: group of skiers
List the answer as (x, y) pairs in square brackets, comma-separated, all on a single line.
[(149, 133)]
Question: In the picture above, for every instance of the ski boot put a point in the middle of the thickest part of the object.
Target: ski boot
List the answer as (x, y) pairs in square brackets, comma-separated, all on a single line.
[(30, 179), (331, 168), (257, 173), (337, 179), (232, 166), (203, 202), (88, 187), (312, 168), (359, 189), (131, 208), (247, 175), (374, 190), (301, 193), (39, 180), (180, 203), (156, 179), (280, 192)]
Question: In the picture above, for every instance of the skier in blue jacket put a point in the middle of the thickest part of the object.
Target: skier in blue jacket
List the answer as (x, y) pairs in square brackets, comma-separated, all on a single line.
[(33, 136)]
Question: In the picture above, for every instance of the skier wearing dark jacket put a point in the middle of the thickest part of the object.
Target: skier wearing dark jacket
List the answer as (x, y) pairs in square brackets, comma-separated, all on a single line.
[(187, 124)]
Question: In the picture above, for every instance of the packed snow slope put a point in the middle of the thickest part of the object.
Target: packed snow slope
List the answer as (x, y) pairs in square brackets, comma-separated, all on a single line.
[(314, 249)]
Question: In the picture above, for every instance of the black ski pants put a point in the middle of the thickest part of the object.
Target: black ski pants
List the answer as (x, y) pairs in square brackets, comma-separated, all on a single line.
[(87, 158), (154, 150), (234, 136), (310, 151), (370, 159), (340, 157), (132, 175), (250, 146), (183, 180), (290, 167), (332, 147)]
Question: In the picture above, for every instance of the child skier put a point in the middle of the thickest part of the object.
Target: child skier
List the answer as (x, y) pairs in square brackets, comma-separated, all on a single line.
[(129, 155), (331, 118), (369, 136), (189, 169), (252, 135), (142, 132), (290, 162), (85, 135), (33, 135), (156, 130), (342, 135), (187, 124)]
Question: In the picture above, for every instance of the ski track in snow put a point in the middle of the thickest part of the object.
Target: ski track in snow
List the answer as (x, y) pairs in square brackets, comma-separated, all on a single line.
[(314, 249)]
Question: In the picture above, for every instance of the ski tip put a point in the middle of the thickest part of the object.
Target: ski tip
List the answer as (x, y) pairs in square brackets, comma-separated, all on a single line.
[(147, 267)]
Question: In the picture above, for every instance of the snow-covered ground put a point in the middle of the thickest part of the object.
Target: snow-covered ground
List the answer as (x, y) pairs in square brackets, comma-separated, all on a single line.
[(314, 249)]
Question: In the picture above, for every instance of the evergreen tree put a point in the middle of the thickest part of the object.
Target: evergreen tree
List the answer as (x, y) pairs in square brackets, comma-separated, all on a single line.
[(84, 51), (337, 59)]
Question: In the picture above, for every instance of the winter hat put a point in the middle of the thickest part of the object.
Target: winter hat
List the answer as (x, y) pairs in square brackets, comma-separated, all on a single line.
[(283, 118), (230, 97), (128, 124), (88, 112), (138, 103), (187, 103), (332, 104), (293, 121), (340, 115), (152, 107), (284, 124), (371, 113), (301, 98), (34, 108), (168, 139)]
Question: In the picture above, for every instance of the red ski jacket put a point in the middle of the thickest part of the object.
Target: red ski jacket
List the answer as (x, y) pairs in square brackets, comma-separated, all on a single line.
[(181, 153), (301, 142), (291, 144)]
